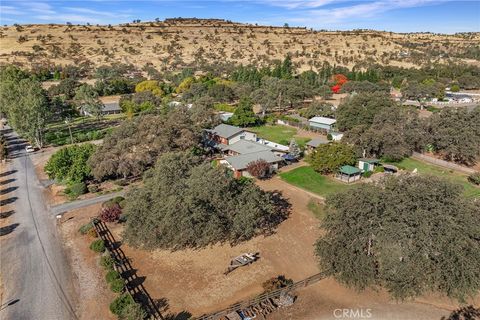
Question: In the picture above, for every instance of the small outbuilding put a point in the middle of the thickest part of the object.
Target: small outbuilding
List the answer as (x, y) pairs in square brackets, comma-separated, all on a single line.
[(366, 164), (388, 168), (322, 123), (314, 143), (348, 174)]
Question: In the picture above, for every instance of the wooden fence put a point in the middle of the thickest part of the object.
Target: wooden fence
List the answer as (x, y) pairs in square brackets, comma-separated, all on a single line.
[(133, 283), (263, 297)]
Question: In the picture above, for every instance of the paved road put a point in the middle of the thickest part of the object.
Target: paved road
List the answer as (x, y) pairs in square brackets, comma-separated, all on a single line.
[(67, 206), (34, 269)]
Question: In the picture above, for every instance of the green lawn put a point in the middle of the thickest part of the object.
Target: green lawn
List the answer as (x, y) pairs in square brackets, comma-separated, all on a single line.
[(426, 168), (279, 134), (306, 178)]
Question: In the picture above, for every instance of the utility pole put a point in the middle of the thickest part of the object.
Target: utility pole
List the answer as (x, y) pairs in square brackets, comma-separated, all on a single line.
[(67, 121)]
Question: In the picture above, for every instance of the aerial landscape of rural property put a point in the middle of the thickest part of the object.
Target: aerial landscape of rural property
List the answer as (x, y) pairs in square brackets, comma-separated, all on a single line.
[(239, 159)]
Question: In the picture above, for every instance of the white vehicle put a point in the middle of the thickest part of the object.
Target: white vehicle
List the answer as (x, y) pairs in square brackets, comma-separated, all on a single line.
[(29, 149)]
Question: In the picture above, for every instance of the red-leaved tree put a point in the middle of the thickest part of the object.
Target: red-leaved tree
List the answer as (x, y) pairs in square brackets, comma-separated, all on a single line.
[(259, 168), (111, 213)]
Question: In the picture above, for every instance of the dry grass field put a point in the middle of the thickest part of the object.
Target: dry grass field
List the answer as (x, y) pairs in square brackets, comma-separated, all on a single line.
[(175, 43)]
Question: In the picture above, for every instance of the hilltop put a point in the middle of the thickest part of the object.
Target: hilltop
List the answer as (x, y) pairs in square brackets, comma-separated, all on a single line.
[(174, 43)]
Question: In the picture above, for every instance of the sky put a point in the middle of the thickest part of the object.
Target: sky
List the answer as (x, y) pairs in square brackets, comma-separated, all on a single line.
[(440, 16)]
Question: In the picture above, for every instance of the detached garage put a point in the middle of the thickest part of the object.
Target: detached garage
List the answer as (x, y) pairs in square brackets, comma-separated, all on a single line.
[(322, 123)]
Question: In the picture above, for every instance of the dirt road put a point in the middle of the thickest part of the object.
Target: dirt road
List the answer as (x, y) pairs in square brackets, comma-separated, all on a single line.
[(36, 278)]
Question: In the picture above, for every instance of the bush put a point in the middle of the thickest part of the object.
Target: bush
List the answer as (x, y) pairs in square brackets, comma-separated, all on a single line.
[(474, 178), (92, 233), (117, 285), (133, 312), (93, 188), (111, 213), (85, 228), (107, 262), (379, 169), (76, 190), (97, 245), (121, 182), (121, 304), (276, 283), (112, 275), (367, 174), (258, 169)]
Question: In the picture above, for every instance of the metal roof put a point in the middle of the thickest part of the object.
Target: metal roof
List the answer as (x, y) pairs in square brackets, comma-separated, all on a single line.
[(349, 170), (315, 142), (226, 131), (246, 146), (111, 106), (241, 162), (323, 120)]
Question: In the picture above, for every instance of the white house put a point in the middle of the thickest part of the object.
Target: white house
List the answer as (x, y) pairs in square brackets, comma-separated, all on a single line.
[(322, 123)]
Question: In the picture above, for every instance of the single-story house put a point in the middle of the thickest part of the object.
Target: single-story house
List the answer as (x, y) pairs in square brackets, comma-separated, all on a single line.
[(367, 165), (108, 108), (226, 134), (239, 163), (246, 146), (314, 143), (322, 123), (348, 174)]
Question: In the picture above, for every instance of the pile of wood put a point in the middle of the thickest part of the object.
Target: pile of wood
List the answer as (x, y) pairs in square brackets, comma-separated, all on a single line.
[(262, 308)]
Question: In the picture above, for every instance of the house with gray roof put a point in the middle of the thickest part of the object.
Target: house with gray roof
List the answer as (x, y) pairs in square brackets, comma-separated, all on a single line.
[(239, 163), (226, 134), (107, 108)]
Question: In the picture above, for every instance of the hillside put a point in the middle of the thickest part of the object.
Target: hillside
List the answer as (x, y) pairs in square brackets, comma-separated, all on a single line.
[(178, 42)]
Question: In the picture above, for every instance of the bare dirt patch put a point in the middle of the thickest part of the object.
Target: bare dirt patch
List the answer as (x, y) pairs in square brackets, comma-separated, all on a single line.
[(94, 294)]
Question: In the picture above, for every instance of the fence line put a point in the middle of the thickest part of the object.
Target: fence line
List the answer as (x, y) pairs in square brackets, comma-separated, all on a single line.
[(442, 163), (136, 290), (264, 297)]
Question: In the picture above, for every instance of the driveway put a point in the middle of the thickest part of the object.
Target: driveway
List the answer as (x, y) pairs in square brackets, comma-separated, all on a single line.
[(35, 274)]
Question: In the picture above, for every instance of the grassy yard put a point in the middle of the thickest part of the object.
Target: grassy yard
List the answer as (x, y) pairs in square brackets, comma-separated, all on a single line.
[(306, 178), (279, 134), (83, 129), (426, 168)]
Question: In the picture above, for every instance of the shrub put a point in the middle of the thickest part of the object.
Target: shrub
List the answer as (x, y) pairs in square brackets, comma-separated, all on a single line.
[(259, 168), (367, 174), (92, 233), (121, 304), (85, 228), (117, 285), (121, 182), (69, 164), (76, 190), (276, 283), (133, 311), (474, 178), (93, 188), (379, 169), (111, 213), (112, 275), (107, 262), (97, 245)]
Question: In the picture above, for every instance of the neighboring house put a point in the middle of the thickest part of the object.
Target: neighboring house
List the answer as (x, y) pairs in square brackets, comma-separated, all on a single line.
[(322, 123), (108, 108), (314, 143), (367, 165), (239, 163), (348, 174), (226, 134)]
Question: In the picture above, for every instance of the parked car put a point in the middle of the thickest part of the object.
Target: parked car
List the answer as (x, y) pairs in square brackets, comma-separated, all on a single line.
[(29, 149)]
